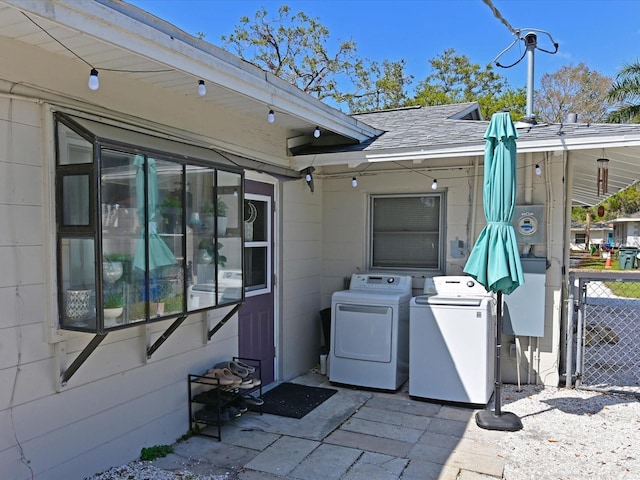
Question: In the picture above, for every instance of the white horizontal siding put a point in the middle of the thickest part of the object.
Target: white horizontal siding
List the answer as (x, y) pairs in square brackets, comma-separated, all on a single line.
[(117, 402), (301, 277)]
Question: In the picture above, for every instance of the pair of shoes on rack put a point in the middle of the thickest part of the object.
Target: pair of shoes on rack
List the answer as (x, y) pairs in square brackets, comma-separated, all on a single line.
[(242, 370), (224, 377), (210, 416), (237, 367), (214, 397), (252, 401)]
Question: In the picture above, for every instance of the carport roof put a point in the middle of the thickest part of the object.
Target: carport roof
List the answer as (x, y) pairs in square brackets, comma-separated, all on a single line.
[(448, 131)]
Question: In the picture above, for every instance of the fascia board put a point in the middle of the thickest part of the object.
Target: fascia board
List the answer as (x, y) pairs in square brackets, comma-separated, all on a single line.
[(130, 29)]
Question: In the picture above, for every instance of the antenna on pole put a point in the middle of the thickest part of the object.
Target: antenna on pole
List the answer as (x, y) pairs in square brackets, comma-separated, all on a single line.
[(530, 39)]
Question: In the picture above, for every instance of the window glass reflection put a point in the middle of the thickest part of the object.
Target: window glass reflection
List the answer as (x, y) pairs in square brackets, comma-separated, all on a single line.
[(78, 285)]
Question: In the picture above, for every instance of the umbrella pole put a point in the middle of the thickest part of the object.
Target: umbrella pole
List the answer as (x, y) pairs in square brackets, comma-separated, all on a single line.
[(498, 420)]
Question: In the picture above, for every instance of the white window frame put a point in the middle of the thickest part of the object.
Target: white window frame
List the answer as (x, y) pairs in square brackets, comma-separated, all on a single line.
[(266, 243)]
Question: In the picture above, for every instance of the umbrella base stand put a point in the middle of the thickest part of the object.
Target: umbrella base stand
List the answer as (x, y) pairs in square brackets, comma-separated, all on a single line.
[(505, 421)]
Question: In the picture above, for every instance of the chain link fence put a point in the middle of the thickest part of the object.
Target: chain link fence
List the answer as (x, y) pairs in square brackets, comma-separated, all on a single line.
[(608, 333)]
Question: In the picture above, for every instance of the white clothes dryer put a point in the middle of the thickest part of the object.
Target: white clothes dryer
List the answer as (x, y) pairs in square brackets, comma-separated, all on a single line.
[(452, 341), (370, 332)]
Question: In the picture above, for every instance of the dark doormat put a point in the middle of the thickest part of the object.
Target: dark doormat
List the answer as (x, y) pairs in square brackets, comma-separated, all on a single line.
[(294, 400)]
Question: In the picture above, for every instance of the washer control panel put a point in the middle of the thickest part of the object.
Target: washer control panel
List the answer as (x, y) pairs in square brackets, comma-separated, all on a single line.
[(453, 285), (384, 283)]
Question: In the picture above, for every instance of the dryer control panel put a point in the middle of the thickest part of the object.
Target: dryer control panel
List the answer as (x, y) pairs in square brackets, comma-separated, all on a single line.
[(384, 283)]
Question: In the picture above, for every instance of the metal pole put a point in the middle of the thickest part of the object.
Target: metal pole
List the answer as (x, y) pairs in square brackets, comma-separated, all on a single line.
[(498, 420), (579, 334), (498, 373), (531, 41), (569, 344)]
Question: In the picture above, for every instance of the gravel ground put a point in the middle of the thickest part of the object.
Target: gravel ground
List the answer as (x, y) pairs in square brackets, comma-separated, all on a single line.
[(146, 471), (571, 435), (567, 435)]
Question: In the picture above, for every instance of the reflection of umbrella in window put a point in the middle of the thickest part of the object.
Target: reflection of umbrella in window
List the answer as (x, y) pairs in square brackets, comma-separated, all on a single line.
[(160, 255), (494, 260)]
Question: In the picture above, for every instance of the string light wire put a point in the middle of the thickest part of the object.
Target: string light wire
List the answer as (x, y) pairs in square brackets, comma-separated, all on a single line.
[(85, 61)]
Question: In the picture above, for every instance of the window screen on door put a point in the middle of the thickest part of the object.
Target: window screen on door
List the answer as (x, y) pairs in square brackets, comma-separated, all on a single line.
[(257, 247)]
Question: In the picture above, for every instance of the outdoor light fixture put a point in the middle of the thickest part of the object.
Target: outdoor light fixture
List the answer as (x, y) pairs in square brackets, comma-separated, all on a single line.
[(316, 132), (603, 176), (434, 185), (202, 88), (94, 83), (308, 177), (354, 182), (271, 117), (538, 170)]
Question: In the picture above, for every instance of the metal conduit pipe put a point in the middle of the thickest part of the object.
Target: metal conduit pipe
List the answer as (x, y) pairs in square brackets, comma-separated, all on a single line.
[(474, 198), (569, 336)]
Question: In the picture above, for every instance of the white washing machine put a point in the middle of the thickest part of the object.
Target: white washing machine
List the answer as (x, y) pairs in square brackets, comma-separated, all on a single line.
[(452, 341), (370, 332)]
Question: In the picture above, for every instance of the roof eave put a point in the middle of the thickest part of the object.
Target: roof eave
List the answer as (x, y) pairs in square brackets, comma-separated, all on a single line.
[(129, 28)]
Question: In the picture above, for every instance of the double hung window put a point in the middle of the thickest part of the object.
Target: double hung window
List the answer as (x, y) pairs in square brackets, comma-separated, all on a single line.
[(406, 232)]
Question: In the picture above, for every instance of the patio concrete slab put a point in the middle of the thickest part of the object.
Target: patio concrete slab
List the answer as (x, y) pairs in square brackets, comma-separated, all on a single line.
[(419, 469), (392, 417), (355, 434), (376, 466), (316, 467), (281, 457), (381, 429), (370, 443)]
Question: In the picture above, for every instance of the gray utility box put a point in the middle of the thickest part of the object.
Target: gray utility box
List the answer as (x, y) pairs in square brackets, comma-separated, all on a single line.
[(528, 223), (524, 308)]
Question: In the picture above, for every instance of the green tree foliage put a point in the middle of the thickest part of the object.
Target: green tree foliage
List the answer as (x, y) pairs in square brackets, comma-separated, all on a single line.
[(456, 79), (626, 92), (294, 47), (378, 87), (620, 204), (573, 89)]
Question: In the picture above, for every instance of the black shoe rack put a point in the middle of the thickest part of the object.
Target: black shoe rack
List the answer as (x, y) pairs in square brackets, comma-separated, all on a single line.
[(212, 405)]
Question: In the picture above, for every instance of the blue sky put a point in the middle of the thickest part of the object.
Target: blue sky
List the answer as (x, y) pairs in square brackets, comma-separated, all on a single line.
[(603, 34)]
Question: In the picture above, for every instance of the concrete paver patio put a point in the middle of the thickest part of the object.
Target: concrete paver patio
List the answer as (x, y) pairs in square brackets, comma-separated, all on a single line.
[(355, 434)]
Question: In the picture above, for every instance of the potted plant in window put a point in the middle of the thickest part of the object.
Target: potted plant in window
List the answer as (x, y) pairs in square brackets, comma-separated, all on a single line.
[(212, 210), (172, 211), (221, 212), (220, 259), (113, 306)]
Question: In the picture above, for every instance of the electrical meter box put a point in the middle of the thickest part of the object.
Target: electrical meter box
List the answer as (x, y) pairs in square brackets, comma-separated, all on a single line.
[(528, 223)]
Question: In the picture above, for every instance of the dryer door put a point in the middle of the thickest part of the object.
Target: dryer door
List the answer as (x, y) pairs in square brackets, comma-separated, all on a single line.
[(363, 332)]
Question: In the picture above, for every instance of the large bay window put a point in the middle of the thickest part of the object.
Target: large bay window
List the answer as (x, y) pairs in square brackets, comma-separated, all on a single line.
[(406, 232), (145, 231)]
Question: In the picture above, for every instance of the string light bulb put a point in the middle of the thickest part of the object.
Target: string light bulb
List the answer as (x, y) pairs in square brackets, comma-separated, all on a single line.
[(202, 88), (94, 83), (354, 182), (309, 178), (271, 117), (538, 170), (316, 132), (434, 185)]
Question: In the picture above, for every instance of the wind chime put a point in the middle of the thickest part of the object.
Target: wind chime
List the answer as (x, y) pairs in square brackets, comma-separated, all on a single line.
[(603, 176)]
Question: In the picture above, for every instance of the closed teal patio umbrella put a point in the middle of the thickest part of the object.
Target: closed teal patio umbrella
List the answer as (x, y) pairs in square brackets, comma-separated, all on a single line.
[(160, 255), (494, 260)]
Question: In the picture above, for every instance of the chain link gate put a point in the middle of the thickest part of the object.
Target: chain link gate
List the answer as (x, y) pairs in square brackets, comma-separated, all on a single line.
[(608, 333)]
